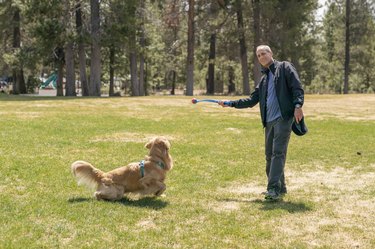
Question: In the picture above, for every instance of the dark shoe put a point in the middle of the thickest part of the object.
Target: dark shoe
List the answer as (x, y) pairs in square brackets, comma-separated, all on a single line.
[(272, 195)]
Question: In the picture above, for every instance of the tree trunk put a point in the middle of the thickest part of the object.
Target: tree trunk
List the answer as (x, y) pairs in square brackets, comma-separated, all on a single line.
[(243, 49), (142, 69), (174, 73), (81, 52), (190, 50), (95, 67), (19, 85), (59, 63), (173, 82), (141, 56), (146, 77), (133, 74), (70, 85), (59, 81), (18, 81), (141, 75), (231, 86), (347, 48), (211, 65), (111, 70), (256, 26), (173, 22), (219, 83)]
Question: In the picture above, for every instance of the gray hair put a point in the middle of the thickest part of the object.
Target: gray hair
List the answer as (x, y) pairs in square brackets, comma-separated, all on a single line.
[(264, 47)]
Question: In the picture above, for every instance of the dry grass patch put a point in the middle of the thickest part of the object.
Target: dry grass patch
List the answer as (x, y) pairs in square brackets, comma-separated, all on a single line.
[(349, 107), (233, 130), (146, 224), (224, 206), (22, 115), (127, 137), (343, 217)]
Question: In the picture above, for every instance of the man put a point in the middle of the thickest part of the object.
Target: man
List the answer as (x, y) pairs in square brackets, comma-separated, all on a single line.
[(280, 97)]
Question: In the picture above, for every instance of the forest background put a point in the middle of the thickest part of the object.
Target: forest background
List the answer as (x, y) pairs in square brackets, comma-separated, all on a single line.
[(142, 47)]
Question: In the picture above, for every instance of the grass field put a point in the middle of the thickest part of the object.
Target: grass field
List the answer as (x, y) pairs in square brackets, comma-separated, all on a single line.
[(213, 197)]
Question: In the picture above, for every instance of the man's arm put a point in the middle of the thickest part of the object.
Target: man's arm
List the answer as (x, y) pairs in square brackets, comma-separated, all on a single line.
[(295, 85), (245, 102)]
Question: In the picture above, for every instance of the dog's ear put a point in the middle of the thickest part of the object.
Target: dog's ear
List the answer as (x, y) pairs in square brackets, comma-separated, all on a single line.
[(166, 145), (149, 144)]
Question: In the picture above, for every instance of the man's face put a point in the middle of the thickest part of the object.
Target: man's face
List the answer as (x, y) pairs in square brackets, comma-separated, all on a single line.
[(264, 57)]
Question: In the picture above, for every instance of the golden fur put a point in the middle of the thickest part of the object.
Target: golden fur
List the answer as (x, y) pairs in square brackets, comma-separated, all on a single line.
[(128, 179)]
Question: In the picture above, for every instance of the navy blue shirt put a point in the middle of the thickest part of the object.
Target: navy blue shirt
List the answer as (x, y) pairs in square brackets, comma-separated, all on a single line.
[(273, 108)]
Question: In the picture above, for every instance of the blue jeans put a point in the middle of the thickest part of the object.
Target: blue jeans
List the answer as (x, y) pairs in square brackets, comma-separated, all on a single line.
[(277, 136)]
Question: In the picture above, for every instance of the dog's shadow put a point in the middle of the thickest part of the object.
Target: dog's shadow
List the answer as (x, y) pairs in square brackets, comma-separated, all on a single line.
[(289, 206), (146, 202)]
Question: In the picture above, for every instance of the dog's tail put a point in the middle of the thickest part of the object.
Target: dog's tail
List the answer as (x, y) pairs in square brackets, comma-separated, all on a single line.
[(86, 174)]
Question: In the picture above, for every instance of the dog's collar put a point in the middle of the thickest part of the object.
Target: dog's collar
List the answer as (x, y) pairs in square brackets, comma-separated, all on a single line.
[(142, 166)]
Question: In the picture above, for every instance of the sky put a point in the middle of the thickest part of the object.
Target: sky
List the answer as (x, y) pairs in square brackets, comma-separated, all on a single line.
[(321, 10)]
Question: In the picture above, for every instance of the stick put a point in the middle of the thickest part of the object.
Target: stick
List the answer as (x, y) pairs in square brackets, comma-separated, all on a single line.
[(194, 101)]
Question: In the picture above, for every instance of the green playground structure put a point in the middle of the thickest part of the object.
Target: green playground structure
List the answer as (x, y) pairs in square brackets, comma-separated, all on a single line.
[(50, 81)]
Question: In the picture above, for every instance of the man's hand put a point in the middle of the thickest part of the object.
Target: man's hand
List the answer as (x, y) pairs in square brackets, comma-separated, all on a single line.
[(221, 102), (298, 114)]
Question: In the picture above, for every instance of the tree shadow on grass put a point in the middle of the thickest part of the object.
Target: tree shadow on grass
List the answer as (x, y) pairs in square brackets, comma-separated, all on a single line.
[(289, 206), (29, 98), (147, 202)]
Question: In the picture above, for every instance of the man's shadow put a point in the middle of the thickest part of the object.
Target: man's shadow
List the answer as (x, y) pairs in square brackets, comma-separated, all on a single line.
[(146, 202), (289, 206)]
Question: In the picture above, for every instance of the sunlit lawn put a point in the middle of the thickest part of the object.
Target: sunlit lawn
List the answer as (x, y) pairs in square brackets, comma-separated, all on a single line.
[(213, 197)]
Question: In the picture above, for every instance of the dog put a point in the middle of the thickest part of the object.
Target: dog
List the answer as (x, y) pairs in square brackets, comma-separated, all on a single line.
[(143, 179)]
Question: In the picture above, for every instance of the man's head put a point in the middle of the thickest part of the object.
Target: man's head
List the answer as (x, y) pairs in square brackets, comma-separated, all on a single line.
[(264, 54)]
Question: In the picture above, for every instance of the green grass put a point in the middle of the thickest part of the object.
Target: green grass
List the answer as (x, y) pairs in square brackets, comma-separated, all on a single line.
[(213, 197)]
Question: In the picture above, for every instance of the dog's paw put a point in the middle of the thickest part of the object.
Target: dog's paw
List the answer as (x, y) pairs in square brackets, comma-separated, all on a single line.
[(98, 196), (107, 181)]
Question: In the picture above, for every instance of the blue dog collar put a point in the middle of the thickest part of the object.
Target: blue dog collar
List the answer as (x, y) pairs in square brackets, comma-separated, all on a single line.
[(142, 167)]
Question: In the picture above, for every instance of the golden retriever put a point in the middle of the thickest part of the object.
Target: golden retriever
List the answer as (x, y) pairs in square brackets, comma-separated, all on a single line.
[(143, 178)]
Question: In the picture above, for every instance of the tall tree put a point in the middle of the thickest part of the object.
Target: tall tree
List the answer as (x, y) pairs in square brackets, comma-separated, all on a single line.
[(213, 11), (172, 22), (95, 66), (112, 54), (190, 50), (347, 47), (256, 40), (70, 84), (142, 43), (59, 62), (133, 69), (118, 23), (362, 46), (81, 50), (132, 47), (243, 49), (211, 65), (48, 33), (19, 85)]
